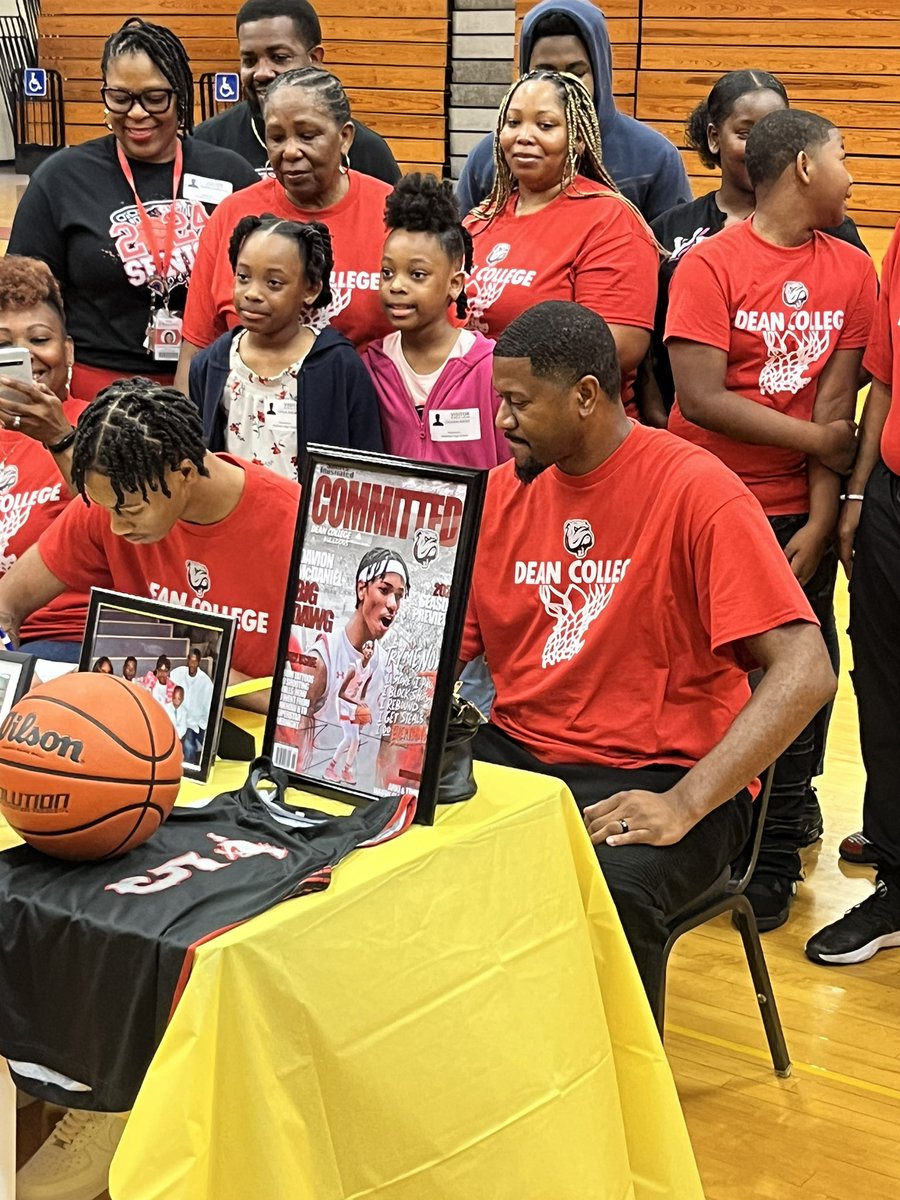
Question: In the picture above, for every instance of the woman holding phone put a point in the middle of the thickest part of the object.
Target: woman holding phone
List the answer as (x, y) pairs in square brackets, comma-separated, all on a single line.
[(37, 428)]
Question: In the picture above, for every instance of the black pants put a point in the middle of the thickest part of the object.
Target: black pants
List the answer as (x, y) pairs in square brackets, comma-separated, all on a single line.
[(649, 884), (875, 637), (779, 852)]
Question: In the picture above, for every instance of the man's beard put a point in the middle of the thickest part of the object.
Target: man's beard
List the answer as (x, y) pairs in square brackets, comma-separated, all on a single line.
[(529, 470)]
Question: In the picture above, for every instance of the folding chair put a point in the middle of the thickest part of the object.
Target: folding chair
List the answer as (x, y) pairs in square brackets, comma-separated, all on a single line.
[(727, 894)]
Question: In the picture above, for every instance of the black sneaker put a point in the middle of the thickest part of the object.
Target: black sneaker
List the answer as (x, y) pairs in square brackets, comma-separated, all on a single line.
[(771, 897), (857, 849), (861, 932), (813, 825)]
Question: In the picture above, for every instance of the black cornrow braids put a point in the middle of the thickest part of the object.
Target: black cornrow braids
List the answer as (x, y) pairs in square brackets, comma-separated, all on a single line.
[(134, 432), (328, 90), (421, 203), (165, 51), (313, 242)]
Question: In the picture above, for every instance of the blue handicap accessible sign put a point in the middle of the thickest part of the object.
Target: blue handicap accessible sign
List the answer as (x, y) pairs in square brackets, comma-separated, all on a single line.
[(227, 87), (34, 83)]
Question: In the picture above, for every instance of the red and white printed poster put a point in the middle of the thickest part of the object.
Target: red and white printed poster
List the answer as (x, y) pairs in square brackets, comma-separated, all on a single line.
[(373, 591)]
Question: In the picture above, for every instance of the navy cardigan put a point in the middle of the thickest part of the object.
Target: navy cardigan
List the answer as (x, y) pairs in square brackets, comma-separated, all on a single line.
[(336, 400)]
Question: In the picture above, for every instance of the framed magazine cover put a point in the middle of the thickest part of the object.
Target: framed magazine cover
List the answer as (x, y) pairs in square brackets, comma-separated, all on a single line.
[(373, 619), (180, 655)]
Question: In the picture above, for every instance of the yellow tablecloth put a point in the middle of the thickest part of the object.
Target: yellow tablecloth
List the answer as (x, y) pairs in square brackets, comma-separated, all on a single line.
[(457, 1018)]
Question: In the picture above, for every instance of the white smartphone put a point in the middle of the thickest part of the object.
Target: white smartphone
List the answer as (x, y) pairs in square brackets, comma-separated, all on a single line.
[(15, 361)]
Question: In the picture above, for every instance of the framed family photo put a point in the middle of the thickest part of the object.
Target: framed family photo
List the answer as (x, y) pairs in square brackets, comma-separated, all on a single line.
[(180, 655), (16, 673), (377, 594)]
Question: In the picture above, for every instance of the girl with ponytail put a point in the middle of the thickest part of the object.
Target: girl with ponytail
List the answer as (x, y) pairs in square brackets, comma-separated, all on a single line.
[(273, 384)]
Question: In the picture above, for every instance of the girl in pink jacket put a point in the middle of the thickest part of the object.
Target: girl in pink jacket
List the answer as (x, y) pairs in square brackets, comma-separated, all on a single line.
[(433, 379)]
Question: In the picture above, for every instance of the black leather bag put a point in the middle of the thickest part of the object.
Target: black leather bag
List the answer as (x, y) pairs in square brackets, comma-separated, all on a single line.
[(457, 780)]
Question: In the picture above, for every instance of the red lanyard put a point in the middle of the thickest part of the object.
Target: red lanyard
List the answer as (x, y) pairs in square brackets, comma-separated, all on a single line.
[(163, 260)]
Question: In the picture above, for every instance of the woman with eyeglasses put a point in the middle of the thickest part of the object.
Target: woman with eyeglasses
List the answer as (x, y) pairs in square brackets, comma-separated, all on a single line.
[(117, 219)]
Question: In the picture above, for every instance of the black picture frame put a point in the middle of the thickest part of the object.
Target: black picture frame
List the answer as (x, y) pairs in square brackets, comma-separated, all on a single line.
[(427, 522), (144, 637), (16, 675)]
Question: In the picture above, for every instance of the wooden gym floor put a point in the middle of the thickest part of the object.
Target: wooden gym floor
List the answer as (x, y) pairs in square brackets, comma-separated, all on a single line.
[(831, 1131)]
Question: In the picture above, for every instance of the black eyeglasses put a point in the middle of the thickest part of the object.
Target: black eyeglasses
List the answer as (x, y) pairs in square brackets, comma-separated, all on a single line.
[(154, 100)]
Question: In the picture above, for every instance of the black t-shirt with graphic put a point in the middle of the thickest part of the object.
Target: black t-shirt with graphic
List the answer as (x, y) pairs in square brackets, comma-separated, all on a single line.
[(680, 229), (78, 214), (370, 154)]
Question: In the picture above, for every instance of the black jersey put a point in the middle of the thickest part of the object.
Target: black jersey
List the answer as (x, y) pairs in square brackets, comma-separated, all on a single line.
[(93, 956)]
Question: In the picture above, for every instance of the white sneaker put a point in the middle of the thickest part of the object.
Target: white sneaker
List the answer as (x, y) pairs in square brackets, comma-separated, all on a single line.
[(73, 1163)]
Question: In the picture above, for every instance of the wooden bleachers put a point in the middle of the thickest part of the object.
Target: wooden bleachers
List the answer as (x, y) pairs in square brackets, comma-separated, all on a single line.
[(393, 67), (841, 62)]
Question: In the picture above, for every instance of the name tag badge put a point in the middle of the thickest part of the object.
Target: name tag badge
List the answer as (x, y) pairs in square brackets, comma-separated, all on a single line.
[(165, 336), (283, 419), (207, 191), (455, 425)]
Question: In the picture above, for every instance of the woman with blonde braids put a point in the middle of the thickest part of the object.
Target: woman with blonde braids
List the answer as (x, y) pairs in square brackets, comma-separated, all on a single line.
[(555, 227)]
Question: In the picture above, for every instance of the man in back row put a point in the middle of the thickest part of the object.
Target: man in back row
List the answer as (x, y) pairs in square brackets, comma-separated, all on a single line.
[(275, 36), (610, 596), (571, 35)]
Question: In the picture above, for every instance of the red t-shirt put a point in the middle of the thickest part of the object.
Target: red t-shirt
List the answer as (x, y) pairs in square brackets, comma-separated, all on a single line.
[(592, 249), (238, 566), (779, 313), (882, 357), (610, 606), (356, 225), (32, 495)]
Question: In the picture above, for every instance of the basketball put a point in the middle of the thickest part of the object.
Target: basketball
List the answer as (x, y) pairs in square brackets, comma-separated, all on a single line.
[(90, 766)]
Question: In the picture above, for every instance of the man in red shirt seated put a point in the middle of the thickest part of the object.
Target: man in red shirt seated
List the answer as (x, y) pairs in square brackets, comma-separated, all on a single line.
[(625, 583), (160, 516)]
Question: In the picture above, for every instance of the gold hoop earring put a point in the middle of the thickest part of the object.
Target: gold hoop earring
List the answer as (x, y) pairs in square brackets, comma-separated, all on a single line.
[(106, 115)]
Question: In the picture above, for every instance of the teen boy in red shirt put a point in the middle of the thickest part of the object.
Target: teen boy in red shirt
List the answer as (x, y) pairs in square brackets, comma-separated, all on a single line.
[(165, 519), (610, 597), (766, 329)]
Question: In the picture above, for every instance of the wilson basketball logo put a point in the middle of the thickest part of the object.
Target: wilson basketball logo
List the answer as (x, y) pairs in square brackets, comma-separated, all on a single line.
[(578, 537), (198, 577), (23, 730), (794, 294)]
